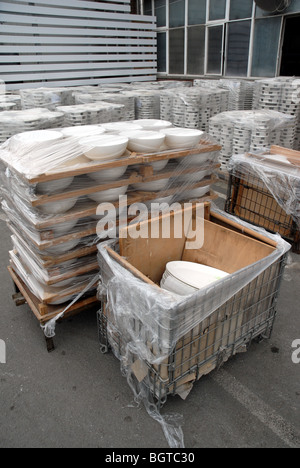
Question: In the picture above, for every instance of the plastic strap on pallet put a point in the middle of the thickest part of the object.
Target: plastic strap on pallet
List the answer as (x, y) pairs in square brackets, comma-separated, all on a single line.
[(49, 327)]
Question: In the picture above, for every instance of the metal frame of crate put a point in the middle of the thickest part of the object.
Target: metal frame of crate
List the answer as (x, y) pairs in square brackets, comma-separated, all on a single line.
[(249, 201), (249, 315)]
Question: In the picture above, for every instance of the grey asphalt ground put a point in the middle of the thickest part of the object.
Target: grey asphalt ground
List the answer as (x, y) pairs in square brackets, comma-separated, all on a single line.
[(77, 397)]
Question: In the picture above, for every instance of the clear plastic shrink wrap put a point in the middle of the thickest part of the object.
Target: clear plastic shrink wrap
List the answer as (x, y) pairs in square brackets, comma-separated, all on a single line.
[(17, 121), (276, 173), (48, 98), (242, 131)]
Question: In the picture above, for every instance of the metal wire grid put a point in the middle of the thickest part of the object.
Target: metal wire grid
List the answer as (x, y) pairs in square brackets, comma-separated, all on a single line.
[(247, 200), (249, 315)]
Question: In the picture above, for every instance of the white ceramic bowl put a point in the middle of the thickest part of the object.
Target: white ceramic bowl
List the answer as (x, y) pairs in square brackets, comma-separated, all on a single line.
[(196, 159), (62, 300), (153, 186), (153, 124), (58, 207), (63, 248), (108, 174), (54, 185), (185, 278), (82, 131), (159, 165), (196, 193), (121, 127), (194, 176), (143, 141), (177, 138), (108, 195), (64, 228), (171, 284), (104, 147)]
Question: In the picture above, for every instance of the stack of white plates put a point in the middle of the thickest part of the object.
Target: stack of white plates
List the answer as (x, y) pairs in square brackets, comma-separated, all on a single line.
[(186, 278)]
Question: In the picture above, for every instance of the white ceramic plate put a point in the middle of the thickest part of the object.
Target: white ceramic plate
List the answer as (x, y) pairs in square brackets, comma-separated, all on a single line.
[(104, 147)]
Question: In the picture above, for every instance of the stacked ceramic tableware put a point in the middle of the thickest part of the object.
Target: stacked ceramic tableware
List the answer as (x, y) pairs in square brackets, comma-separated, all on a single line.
[(91, 114), (49, 98), (186, 278), (121, 98), (54, 248), (282, 95), (242, 131), (192, 107), (240, 95)]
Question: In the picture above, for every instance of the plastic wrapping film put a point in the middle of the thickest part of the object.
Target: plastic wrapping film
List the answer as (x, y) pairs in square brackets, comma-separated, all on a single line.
[(10, 102), (52, 184), (48, 98), (151, 321), (274, 172), (192, 107), (17, 121), (240, 91), (242, 131), (281, 94), (91, 114)]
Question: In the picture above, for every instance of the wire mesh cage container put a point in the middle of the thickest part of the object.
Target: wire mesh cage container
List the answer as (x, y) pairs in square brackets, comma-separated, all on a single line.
[(230, 330), (266, 196), (169, 352)]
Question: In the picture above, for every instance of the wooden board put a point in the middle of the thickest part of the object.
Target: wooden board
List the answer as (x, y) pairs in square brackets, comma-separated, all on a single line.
[(47, 260), (133, 159), (227, 250), (61, 293), (146, 175), (293, 157), (223, 248)]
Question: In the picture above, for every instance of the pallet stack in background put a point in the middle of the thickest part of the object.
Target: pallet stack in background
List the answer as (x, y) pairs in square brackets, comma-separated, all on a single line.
[(281, 95), (241, 131)]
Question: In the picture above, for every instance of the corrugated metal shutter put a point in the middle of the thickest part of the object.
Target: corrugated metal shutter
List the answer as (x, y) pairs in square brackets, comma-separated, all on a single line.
[(74, 42)]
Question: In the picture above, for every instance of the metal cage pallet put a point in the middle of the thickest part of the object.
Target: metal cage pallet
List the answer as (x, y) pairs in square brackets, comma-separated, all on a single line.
[(250, 202), (249, 315)]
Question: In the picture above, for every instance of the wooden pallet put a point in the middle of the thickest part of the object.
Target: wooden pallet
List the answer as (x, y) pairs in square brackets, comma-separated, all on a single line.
[(130, 159), (44, 312)]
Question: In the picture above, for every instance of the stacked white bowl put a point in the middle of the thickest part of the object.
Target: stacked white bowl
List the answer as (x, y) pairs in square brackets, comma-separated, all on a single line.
[(186, 278)]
